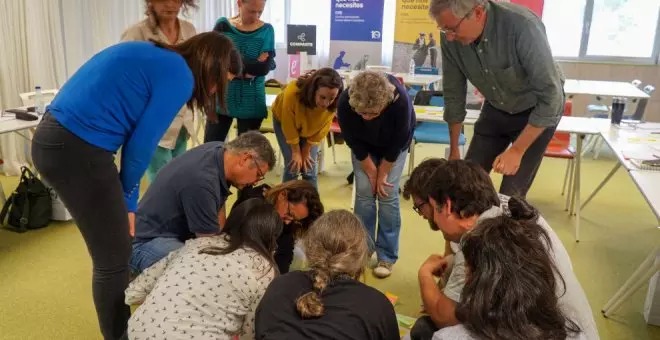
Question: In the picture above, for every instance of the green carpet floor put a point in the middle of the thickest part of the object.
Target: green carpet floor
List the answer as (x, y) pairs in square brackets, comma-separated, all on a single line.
[(45, 288)]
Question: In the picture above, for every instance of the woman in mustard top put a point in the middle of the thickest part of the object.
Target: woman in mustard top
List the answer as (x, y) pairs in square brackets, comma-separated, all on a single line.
[(302, 116)]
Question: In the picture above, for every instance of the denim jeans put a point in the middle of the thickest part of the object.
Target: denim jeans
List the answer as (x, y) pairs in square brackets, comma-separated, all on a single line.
[(146, 252), (386, 212), (163, 155), (310, 175)]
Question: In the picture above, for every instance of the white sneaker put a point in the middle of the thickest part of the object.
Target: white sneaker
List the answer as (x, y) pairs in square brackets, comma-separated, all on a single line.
[(383, 269), (373, 261)]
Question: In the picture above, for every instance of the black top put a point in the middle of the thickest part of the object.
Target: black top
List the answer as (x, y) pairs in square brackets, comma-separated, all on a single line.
[(387, 135), (353, 310), (253, 67)]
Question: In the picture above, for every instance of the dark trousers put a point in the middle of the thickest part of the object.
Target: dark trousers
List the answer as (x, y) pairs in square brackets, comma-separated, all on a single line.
[(217, 132), (494, 131), (87, 181), (423, 329)]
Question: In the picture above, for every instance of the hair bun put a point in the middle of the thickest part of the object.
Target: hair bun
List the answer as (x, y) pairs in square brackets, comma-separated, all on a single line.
[(520, 210)]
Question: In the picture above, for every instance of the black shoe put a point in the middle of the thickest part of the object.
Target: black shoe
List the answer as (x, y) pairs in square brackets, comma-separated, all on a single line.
[(350, 177)]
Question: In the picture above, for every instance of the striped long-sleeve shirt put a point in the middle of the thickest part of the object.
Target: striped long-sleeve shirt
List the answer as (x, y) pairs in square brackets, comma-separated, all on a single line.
[(246, 98)]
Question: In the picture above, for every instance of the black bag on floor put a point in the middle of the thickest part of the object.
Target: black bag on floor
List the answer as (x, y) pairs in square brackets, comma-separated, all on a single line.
[(29, 206)]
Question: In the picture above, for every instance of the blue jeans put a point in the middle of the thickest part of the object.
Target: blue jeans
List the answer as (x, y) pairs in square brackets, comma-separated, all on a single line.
[(387, 211), (163, 156), (310, 175), (149, 251)]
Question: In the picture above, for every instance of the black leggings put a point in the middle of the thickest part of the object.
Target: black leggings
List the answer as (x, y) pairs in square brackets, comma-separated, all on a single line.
[(217, 132), (86, 179)]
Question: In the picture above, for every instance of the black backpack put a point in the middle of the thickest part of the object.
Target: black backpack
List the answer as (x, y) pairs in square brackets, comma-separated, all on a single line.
[(29, 206)]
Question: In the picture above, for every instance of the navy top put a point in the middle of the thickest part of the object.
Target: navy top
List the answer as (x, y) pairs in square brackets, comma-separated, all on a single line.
[(125, 96), (385, 136), (246, 98), (186, 196)]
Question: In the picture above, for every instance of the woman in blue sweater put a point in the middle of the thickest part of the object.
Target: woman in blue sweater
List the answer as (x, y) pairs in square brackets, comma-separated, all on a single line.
[(125, 96), (246, 97)]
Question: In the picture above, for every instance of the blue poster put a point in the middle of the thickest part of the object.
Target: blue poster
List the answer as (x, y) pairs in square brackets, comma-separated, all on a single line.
[(357, 20)]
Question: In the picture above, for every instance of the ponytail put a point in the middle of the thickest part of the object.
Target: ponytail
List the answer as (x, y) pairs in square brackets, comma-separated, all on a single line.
[(521, 210), (310, 304)]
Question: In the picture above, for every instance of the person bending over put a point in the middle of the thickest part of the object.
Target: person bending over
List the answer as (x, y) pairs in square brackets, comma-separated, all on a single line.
[(187, 198), (328, 301), (455, 197), (298, 204), (511, 284), (209, 288), (122, 98), (302, 115), (377, 120)]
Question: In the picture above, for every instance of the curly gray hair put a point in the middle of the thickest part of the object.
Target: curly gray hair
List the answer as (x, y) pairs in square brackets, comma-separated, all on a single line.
[(460, 8), (370, 91)]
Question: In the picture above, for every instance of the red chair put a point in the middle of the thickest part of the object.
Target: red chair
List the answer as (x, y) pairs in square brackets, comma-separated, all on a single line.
[(560, 147)]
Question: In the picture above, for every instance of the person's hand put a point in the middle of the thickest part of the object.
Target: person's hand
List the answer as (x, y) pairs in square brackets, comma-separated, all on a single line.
[(307, 160), (454, 154), (382, 184), (370, 169), (508, 162), (434, 265), (296, 162), (248, 76), (131, 223), (263, 57)]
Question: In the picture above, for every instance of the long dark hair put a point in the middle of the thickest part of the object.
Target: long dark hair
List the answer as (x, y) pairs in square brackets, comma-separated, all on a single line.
[(315, 79), (254, 224), (510, 292), (211, 56)]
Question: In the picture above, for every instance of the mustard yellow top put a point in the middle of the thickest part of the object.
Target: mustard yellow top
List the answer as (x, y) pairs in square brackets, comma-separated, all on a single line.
[(297, 120)]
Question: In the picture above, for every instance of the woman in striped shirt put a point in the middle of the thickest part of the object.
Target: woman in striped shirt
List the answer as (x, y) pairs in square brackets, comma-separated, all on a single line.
[(246, 97)]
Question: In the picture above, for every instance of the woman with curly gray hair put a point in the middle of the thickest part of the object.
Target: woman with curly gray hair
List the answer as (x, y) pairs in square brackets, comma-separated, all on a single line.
[(377, 120)]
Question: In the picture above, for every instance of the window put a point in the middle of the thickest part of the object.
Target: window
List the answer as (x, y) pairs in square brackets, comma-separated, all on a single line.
[(275, 14), (616, 30)]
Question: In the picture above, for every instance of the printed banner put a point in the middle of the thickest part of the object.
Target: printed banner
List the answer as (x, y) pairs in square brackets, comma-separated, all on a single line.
[(416, 36), (294, 66), (355, 33), (301, 38)]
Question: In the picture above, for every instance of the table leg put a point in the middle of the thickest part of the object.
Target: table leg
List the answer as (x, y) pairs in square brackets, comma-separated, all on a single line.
[(320, 158), (576, 183), (635, 277), (602, 184)]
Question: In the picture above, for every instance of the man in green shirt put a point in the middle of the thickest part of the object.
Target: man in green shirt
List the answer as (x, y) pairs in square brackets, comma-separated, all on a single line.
[(503, 50)]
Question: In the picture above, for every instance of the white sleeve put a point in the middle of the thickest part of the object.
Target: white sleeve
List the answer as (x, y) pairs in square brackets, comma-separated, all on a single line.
[(456, 281), (138, 290)]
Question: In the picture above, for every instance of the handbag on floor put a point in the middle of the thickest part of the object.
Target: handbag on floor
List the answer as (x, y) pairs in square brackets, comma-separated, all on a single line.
[(29, 206)]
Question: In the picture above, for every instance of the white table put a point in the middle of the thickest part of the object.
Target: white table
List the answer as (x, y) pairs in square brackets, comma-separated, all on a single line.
[(603, 88), (620, 140), (423, 80)]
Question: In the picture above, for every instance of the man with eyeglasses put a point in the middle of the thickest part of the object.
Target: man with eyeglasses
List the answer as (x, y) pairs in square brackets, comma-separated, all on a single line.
[(503, 50), (187, 197), (454, 196)]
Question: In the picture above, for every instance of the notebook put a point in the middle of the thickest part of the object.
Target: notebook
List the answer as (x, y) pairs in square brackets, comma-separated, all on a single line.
[(648, 165)]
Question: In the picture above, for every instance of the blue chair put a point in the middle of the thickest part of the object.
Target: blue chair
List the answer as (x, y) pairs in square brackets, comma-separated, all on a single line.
[(425, 70), (431, 132)]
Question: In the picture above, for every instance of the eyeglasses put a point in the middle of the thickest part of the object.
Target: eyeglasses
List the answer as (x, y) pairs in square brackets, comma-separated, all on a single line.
[(294, 220), (260, 175), (418, 207), (454, 29)]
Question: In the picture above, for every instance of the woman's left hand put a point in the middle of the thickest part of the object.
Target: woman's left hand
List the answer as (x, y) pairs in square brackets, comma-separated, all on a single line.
[(382, 185), (308, 161), (263, 57)]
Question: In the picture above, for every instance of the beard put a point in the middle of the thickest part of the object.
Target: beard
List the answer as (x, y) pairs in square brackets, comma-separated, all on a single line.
[(433, 225)]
